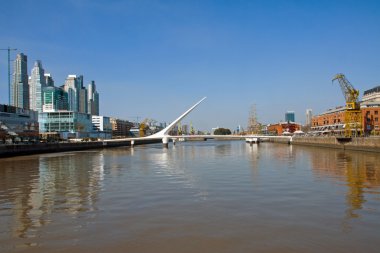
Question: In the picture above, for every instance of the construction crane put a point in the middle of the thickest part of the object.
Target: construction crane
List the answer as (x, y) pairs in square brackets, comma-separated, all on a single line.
[(352, 113), (143, 127), (9, 70)]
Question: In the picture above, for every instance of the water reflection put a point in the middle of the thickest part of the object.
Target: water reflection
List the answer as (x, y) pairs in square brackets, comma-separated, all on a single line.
[(33, 188), (359, 172), (174, 164)]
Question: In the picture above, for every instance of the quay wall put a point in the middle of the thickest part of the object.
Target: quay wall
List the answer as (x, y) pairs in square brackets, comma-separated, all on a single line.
[(39, 148), (371, 144)]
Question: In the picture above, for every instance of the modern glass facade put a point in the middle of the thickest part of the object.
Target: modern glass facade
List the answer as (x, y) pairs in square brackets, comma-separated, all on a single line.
[(309, 116), (36, 85), (290, 116), (83, 100), (49, 79), (65, 121), (54, 99), (93, 99), (72, 90), (20, 88)]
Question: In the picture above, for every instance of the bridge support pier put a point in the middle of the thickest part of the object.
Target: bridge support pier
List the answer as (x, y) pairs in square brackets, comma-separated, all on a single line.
[(173, 141), (165, 142)]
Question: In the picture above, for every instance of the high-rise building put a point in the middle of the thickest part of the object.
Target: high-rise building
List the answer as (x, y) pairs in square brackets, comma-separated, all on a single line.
[(309, 116), (19, 88), (49, 80), (83, 100), (82, 92), (93, 99), (72, 90), (54, 99), (36, 85), (290, 116)]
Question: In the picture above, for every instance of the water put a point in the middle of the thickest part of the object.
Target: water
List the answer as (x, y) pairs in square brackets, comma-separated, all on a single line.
[(221, 196)]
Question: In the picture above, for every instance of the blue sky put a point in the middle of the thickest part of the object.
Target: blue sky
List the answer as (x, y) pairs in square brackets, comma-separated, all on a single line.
[(156, 58)]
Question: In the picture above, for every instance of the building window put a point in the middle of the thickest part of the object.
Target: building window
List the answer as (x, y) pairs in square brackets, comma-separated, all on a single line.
[(376, 119), (376, 112)]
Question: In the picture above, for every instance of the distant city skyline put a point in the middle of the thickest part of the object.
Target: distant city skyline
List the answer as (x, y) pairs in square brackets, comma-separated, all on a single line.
[(153, 59)]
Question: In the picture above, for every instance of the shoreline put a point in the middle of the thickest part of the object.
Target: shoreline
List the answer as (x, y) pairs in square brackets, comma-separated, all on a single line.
[(366, 144), (14, 150)]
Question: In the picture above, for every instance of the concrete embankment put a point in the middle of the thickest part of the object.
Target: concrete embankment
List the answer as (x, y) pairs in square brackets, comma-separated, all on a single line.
[(371, 144), (39, 148)]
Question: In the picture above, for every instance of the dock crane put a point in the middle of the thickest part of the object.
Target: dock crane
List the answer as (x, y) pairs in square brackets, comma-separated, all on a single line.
[(352, 113)]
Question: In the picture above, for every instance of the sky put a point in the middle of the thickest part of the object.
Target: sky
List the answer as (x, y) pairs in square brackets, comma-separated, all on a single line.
[(155, 59)]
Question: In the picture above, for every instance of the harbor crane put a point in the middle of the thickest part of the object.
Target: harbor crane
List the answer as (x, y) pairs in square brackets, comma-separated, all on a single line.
[(9, 70), (352, 113)]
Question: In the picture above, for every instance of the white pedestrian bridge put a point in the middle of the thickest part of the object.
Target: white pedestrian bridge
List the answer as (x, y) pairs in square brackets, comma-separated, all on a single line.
[(165, 137)]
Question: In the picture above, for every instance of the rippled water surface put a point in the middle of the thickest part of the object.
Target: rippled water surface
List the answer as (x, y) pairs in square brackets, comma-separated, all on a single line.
[(194, 197)]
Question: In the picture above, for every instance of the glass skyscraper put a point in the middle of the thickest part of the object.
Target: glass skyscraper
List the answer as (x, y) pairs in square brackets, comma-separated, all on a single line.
[(54, 99), (93, 99), (19, 88), (309, 116), (72, 90), (37, 83), (290, 116)]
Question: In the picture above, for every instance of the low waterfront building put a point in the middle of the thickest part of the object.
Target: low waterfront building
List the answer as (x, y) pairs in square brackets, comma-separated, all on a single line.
[(102, 127), (371, 95), (120, 128), (333, 120), (135, 131), (283, 128), (18, 124), (370, 117), (68, 124)]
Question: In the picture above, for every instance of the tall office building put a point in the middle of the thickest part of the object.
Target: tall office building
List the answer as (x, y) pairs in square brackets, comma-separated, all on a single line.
[(36, 85), (93, 99), (54, 99), (83, 100), (19, 88), (309, 116), (290, 116), (82, 95), (72, 90), (49, 80)]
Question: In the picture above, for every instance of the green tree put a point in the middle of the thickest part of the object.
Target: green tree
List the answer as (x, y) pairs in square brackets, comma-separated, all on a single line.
[(222, 131)]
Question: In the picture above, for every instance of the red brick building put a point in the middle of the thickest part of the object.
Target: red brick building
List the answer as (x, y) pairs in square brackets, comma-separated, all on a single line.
[(333, 119), (283, 127)]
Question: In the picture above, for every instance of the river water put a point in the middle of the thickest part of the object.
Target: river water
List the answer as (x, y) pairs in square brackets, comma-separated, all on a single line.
[(214, 196)]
